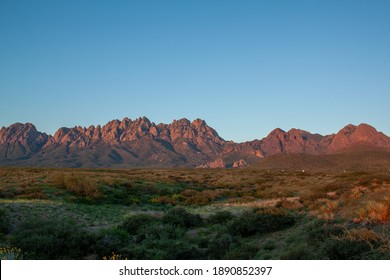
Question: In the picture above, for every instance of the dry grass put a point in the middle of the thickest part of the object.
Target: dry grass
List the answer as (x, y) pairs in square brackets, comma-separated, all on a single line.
[(328, 209), (330, 194), (373, 212)]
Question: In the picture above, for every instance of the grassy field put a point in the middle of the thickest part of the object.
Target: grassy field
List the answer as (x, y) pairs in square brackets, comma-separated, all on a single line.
[(193, 214)]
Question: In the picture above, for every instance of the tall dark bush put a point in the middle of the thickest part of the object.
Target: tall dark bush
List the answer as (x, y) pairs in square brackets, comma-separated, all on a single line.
[(132, 224), (52, 239), (260, 221), (180, 217)]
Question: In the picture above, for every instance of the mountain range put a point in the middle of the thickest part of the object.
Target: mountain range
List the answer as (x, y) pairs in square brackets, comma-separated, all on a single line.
[(182, 143)]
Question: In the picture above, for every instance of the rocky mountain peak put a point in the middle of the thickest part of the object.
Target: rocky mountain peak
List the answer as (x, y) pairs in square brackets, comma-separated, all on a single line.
[(197, 123), (181, 122), (362, 134), (365, 131), (124, 123), (277, 132), (141, 142), (60, 133), (19, 132), (347, 130), (20, 140), (143, 121), (113, 124)]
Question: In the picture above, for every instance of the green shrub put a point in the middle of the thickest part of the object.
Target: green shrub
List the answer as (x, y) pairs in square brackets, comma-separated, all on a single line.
[(162, 241), (4, 222), (133, 223), (158, 231), (221, 217), (111, 240), (218, 245), (241, 251), (269, 246), (163, 249), (52, 239), (358, 243), (180, 217), (347, 249), (297, 253), (261, 221), (319, 231)]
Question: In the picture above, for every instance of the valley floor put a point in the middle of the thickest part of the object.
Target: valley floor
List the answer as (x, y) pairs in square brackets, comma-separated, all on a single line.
[(243, 213)]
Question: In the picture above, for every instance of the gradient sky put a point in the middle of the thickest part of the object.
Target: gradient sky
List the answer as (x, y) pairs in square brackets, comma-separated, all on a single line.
[(246, 67)]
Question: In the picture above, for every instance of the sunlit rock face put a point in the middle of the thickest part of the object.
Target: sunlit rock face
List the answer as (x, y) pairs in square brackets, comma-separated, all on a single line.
[(140, 142)]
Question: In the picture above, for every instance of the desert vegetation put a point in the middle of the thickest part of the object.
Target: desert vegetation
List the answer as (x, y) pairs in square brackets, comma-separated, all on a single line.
[(245, 213)]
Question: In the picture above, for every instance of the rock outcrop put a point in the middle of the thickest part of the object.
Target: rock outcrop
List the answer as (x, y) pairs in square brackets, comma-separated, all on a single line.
[(240, 163), (218, 163)]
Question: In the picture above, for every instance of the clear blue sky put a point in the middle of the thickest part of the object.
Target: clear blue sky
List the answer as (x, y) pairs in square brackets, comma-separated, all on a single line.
[(246, 67)]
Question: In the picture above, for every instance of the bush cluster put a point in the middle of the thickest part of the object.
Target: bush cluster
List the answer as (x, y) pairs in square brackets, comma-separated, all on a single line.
[(51, 239), (178, 234), (261, 221), (5, 223)]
